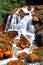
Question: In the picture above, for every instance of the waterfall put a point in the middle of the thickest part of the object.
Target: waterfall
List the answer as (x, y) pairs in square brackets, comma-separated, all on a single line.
[(14, 22), (8, 22), (23, 26)]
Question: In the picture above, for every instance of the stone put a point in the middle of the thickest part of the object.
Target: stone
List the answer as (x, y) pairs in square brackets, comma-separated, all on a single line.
[(5, 50), (23, 42), (22, 55), (39, 37), (15, 62), (32, 58), (35, 18)]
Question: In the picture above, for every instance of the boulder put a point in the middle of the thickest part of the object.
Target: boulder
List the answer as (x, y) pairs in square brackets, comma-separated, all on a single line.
[(23, 42), (8, 36), (22, 55), (35, 18), (15, 62), (39, 37), (32, 58), (5, 50)]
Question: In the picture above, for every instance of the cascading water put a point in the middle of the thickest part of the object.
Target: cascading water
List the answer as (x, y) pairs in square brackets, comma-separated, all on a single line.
[(8, 22), (23, 26)]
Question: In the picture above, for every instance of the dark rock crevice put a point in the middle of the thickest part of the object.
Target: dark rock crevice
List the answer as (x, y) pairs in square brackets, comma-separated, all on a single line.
[(34, 2)]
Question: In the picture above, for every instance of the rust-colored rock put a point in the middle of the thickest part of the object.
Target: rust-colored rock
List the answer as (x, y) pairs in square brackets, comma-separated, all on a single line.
[(22, 55), (1, 28), (37, 26), (35, 18), (35, 52), (8, 36), (11, 34), (5, 50), (22, 13), (15, 62), (39, 7), (32, 57), (14, 10), (23, 42), (39, 53), (41, 48)]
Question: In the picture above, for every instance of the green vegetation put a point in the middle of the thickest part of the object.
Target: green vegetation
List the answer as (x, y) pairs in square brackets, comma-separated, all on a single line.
[(40, 52), (41, 12), (41, 63), (8, 5)]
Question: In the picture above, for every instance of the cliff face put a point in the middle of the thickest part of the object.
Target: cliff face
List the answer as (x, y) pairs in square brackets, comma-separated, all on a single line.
[(34, 2)]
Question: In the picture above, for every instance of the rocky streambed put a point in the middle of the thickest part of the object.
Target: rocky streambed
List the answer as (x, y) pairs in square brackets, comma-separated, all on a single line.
[(24, 31)]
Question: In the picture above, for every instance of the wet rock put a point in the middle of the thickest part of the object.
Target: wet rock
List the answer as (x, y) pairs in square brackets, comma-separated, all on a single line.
[(21, 13), (23, 42), (39, 37), (22, 55), (2, 28), (32, 58), (41, 18), (5, 49), (37, 26), (11, 34), (15, 62), (8, 36), (5, 17), (13, 11), (37, 23), (40, 7), (39, 53), (35, 18), (41, 48)]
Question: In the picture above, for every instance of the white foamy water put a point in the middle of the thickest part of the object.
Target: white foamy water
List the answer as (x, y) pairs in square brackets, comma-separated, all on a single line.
[(4, 62)]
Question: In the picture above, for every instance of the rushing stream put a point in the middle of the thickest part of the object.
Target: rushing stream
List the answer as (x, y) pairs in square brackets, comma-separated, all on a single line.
[(23, 26)]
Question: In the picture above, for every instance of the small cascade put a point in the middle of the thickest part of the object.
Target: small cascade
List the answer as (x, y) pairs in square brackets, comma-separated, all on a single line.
[(22, 25), (8, 23), (14, 22)]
